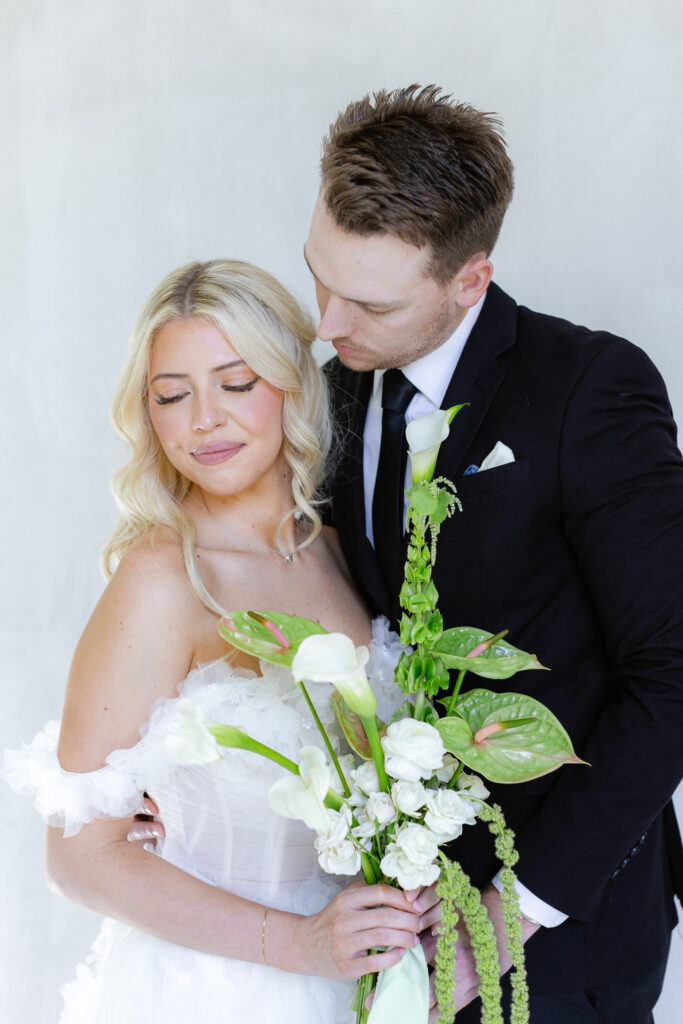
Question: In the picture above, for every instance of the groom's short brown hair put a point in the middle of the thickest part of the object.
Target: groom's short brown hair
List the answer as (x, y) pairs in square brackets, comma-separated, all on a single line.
[(413, 164)]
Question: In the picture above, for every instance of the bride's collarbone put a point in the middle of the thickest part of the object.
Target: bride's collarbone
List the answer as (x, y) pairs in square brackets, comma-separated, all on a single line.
[(311, 586)]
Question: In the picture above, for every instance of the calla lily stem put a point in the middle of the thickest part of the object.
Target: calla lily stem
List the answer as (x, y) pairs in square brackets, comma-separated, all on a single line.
[(326, 740), (370, 726), (225, 735)]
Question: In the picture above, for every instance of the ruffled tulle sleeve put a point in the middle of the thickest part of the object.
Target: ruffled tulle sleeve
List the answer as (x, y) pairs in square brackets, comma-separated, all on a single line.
[(385, 650), (69, 800)]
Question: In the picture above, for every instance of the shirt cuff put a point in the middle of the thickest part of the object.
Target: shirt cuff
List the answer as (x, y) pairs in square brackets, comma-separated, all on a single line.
[(533, 908)]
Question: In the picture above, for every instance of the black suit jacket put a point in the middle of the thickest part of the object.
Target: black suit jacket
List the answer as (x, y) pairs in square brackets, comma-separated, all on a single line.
[(577, 549)]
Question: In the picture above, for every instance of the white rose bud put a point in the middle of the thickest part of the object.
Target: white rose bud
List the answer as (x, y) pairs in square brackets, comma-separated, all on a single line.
[(413, 750), (447, 812), (365, 777), (409, 797), (445, 774), (366, 827), (473, 786), (410, 857), (381, 808)]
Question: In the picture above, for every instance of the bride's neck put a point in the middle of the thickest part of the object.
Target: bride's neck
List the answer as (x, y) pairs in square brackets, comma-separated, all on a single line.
[(244, 522)]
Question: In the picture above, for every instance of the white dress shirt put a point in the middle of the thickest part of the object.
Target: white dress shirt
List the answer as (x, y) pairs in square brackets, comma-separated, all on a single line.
[(431, 375)]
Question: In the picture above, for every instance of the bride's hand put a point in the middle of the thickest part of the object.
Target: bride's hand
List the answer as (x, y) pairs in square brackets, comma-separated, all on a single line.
[(335, 943)]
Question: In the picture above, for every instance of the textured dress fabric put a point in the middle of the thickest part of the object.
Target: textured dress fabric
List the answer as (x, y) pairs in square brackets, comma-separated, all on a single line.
[(219, 828)]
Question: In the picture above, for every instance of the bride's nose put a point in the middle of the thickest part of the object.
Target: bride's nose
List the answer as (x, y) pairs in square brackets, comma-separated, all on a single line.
[(207, 412)]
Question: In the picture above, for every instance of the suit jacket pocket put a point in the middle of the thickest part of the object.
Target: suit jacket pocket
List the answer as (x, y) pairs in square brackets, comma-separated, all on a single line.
[(508, 482)]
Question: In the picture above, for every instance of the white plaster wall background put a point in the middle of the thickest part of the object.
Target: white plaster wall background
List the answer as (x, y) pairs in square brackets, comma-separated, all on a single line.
[(140, 134)]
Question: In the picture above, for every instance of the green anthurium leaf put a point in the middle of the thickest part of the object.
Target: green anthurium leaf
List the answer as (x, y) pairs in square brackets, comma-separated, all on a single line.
[(353, 727), (500, 661), (506, 737), (272, 636)]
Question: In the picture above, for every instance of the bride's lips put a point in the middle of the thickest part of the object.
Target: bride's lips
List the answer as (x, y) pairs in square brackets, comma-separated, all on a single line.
[(219, 451)]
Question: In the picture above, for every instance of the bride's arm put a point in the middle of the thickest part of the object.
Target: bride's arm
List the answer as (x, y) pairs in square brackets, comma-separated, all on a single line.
[(139, 643)]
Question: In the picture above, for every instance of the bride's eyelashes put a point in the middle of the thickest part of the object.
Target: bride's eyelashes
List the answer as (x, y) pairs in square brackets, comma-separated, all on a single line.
[(171, 399)]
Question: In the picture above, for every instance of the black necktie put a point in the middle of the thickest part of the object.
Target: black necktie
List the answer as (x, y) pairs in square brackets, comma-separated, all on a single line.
[(388, 499)]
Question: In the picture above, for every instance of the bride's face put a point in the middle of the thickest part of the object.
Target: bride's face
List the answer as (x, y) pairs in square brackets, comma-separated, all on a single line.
[(218, 422)]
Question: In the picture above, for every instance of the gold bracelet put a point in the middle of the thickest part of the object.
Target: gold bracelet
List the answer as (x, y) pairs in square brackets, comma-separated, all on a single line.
[(263, 938)]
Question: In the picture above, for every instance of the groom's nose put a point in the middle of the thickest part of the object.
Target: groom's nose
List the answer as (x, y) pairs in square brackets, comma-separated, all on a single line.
[(336, 319)]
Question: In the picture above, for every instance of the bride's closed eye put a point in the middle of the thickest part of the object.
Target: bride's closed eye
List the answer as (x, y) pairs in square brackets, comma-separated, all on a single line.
[(247, 386)]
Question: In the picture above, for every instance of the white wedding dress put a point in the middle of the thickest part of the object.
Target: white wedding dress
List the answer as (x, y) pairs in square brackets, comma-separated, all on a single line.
[(219, 828)]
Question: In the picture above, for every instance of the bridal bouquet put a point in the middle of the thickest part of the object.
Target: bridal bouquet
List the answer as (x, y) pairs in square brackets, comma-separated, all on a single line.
[(407, 793)]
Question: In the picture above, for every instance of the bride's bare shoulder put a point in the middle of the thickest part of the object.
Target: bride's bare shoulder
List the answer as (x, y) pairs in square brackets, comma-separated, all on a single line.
[(153, 570)]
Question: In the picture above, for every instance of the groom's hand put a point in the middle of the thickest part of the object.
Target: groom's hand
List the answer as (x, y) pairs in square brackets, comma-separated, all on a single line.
[(466, 977), (146, 828)]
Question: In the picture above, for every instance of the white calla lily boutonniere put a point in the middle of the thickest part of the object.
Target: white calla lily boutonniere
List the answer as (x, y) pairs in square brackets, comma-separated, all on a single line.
[(425, 436)]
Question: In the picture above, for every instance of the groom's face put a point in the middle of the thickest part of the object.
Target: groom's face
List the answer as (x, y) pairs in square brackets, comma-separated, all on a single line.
[(378, 306)]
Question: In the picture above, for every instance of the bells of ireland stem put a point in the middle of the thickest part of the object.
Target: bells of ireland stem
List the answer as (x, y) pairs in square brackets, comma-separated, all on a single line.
[(333, 658), (425, 436)]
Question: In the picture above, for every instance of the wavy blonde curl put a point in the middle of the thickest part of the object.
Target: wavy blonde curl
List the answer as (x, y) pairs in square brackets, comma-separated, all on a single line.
[(273, 335)]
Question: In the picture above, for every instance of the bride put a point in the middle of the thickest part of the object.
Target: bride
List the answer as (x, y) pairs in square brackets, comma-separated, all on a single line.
[(231, 919)]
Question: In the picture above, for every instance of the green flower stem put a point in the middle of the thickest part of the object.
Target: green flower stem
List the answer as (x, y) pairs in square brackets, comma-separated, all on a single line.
[(420, 704), (364, 987), (456, 775), (370, 726), (326, 740), (456, 690), (228, 736)]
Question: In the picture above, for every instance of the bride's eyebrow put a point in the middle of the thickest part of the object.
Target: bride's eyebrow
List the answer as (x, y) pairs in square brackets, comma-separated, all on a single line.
[(184, 376)]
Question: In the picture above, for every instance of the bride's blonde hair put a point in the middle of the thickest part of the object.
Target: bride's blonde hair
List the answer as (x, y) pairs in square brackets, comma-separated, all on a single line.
[(273, 335)]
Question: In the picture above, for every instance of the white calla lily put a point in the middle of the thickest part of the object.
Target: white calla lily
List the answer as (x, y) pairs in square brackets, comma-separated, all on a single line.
[(333, 658), (425, 436), (188, 740), (302, 796)]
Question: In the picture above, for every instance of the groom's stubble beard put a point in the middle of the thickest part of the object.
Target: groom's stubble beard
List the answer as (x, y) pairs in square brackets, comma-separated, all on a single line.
[(431, 336)]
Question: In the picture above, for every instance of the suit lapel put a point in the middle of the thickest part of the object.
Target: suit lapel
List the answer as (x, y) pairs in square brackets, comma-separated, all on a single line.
[(477, 377), (351, 396)]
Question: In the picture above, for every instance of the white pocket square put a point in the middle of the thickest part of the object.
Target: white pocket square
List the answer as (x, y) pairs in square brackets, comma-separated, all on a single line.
[(499, 455)]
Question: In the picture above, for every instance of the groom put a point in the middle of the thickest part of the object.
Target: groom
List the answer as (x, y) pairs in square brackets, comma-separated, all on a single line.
[(575, 544)]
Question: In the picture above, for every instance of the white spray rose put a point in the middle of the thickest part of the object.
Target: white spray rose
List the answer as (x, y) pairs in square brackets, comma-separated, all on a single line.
[(365, 777), (410, 857), (409, 797), (380, 807), (366, 827), (447, 812), (337, 855), (412, 750), (188, 740)]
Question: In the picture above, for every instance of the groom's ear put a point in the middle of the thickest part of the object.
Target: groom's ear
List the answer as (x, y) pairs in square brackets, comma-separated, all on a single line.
[(471, 281)]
